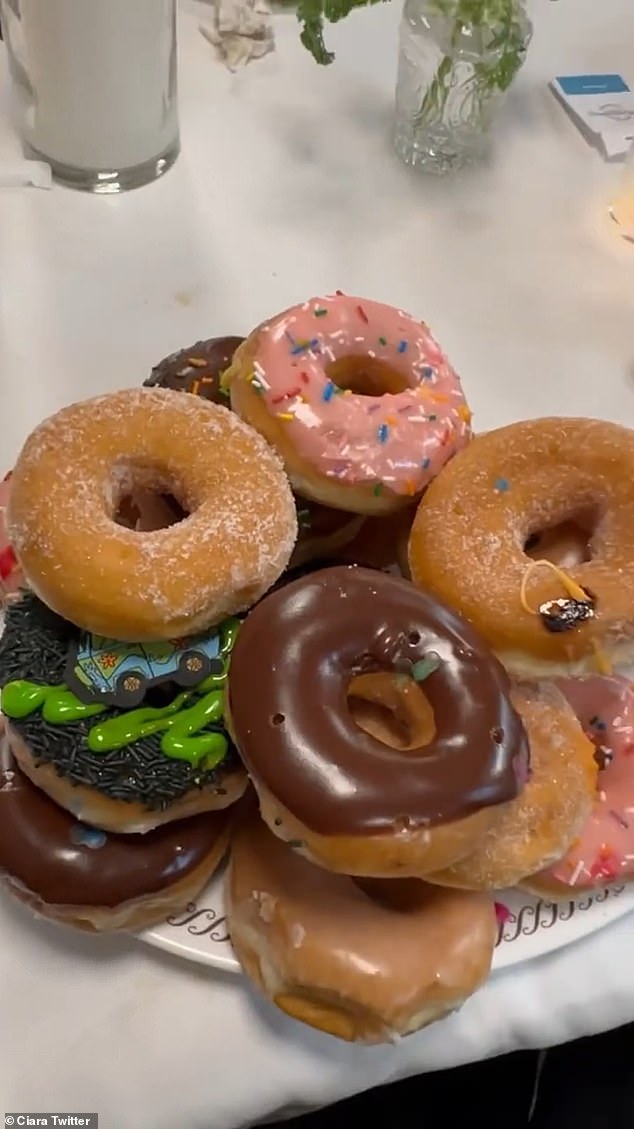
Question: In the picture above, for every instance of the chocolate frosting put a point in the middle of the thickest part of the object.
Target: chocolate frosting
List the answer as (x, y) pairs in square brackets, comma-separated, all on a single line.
[(294, 658), (315, 520), (197, 369), (66, 863)]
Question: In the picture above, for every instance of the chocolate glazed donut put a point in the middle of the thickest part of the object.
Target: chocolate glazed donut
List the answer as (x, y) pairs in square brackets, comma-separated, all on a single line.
[(197, 370), (345, 799), (70, 872)]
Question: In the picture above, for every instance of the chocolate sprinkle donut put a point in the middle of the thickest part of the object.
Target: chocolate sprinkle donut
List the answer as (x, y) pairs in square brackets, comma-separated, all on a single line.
[(34, 647), (197, 369)]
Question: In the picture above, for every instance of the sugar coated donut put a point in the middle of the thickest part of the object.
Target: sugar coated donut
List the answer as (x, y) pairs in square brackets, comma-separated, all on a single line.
[(11, 576), (78, 875), (538, 827), (469, 537), (366, 963), (73, 472), (347, 800), (197, 370), (120, 757), (604, 849), (356, 396)]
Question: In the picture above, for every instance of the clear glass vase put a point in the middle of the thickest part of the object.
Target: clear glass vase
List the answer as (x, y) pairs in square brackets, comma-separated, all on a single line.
[(457, 59)]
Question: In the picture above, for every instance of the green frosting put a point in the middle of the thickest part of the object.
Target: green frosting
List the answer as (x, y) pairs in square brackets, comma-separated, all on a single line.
[(183, 722)]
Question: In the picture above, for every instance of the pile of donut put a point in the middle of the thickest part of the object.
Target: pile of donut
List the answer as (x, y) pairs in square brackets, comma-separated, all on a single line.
[(281, 601)]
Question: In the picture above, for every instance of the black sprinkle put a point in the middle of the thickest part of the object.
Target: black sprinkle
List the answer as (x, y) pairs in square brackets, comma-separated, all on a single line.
[(566, 614), (603, 757), (34, 646)]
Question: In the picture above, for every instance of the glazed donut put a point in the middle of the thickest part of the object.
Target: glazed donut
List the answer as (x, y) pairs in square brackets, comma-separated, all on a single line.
[(11, 576), (356, 396), (347, 801), (66, 489), (604, 850), (120, 768), (80, 876), (537, 828), (478, 516), (364, 963)]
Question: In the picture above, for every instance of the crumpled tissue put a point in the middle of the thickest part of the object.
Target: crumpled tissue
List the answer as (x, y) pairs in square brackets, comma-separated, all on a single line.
[(239, 30)]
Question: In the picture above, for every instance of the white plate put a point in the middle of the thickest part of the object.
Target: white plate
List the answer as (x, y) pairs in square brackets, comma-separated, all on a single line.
[(533, 927)]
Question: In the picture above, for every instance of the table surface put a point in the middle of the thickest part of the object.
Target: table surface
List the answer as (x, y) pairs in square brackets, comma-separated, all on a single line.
[(287, 187)]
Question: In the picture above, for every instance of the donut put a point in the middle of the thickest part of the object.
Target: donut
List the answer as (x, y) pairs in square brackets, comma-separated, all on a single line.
[(66, 489), (321, 530), (356, 396), (118, 767), (469, 537), (604, 849), (348, 801), (197, 369), (382, 543), (78, 875), (11, 577), (365, 963), (538, 827)]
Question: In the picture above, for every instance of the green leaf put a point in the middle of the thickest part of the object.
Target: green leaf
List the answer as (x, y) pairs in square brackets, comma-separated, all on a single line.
[(311, 15)]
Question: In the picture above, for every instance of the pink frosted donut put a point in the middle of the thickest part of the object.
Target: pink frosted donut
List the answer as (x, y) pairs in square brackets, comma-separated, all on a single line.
[(357, 397), (11, 578), (604, 852)]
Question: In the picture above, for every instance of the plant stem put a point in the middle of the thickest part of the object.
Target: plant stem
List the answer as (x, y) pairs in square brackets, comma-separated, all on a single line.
[(488, 77)]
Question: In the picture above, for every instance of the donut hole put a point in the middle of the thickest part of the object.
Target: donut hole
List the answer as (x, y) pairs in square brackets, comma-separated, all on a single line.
[(366, 376), (566, 544), (146, 511), (392, 708), (144, 497)]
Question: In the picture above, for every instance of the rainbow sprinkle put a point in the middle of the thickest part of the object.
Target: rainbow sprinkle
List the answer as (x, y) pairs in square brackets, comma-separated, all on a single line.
[(501, 485), (426, 463), (382, 433), (328, 392), (382, 340), (502, 913), (320, 313), (402, 346), (427, 372)]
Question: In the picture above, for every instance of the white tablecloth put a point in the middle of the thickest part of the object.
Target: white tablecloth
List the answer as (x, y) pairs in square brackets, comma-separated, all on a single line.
[(286, 187)]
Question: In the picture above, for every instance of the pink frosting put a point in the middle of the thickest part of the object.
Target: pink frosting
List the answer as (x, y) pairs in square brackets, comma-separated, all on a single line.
[(11, 578), (604, 851), (397, 440)]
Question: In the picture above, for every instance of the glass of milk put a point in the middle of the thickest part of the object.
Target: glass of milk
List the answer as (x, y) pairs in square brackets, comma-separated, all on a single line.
[(96, 88)]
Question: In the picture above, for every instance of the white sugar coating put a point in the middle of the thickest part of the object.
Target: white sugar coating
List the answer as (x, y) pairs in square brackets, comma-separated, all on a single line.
[(468, 537), (76, 467), (538, 827)]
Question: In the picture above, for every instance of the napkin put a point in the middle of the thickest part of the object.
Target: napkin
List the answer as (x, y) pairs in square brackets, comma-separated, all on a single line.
[(239, 30)]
